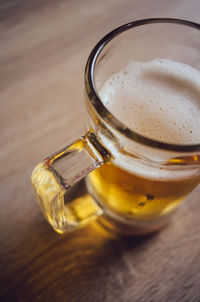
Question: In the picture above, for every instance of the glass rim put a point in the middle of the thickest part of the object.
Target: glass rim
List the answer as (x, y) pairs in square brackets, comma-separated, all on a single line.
[(108, 116)]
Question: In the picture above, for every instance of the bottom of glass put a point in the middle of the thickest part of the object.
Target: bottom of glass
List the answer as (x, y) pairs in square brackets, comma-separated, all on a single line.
[(115, 222)]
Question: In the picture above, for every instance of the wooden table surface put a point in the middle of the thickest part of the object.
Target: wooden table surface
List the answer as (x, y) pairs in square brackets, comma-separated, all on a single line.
[(43, 50)]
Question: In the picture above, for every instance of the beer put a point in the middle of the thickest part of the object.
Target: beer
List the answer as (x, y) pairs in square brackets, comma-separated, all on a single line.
[(158, 99), (138, 197)]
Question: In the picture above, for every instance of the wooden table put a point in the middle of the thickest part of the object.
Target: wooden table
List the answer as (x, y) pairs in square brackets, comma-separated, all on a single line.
[(44, 47)]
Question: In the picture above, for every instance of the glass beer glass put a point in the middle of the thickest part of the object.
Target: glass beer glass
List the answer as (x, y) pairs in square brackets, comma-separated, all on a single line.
[(134, 182)]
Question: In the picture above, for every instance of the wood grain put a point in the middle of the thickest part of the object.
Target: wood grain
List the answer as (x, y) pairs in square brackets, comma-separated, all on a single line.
[(44, 47)]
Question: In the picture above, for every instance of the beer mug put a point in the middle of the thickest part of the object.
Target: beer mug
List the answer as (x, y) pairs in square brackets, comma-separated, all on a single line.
[(136, 177)]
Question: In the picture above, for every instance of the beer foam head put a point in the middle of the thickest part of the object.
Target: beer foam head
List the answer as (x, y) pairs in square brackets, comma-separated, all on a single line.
[(159, 99)]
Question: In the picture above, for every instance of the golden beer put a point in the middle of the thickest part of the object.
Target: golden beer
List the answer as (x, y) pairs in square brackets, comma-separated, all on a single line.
[(138, 197), (157, 99)]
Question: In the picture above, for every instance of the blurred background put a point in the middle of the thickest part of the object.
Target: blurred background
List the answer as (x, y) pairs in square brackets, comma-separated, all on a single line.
[(43, 51)]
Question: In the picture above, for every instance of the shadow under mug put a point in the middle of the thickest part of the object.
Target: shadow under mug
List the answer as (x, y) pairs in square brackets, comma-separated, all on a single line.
[(134, 182)]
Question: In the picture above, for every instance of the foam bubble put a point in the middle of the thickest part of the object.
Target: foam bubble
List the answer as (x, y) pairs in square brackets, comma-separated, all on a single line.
[(159, 99)]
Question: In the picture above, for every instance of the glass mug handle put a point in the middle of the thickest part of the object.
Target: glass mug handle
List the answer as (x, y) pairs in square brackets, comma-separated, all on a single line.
[(53, 178)]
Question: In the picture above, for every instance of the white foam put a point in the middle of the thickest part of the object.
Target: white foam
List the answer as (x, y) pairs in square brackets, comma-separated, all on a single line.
[(159, 99)]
